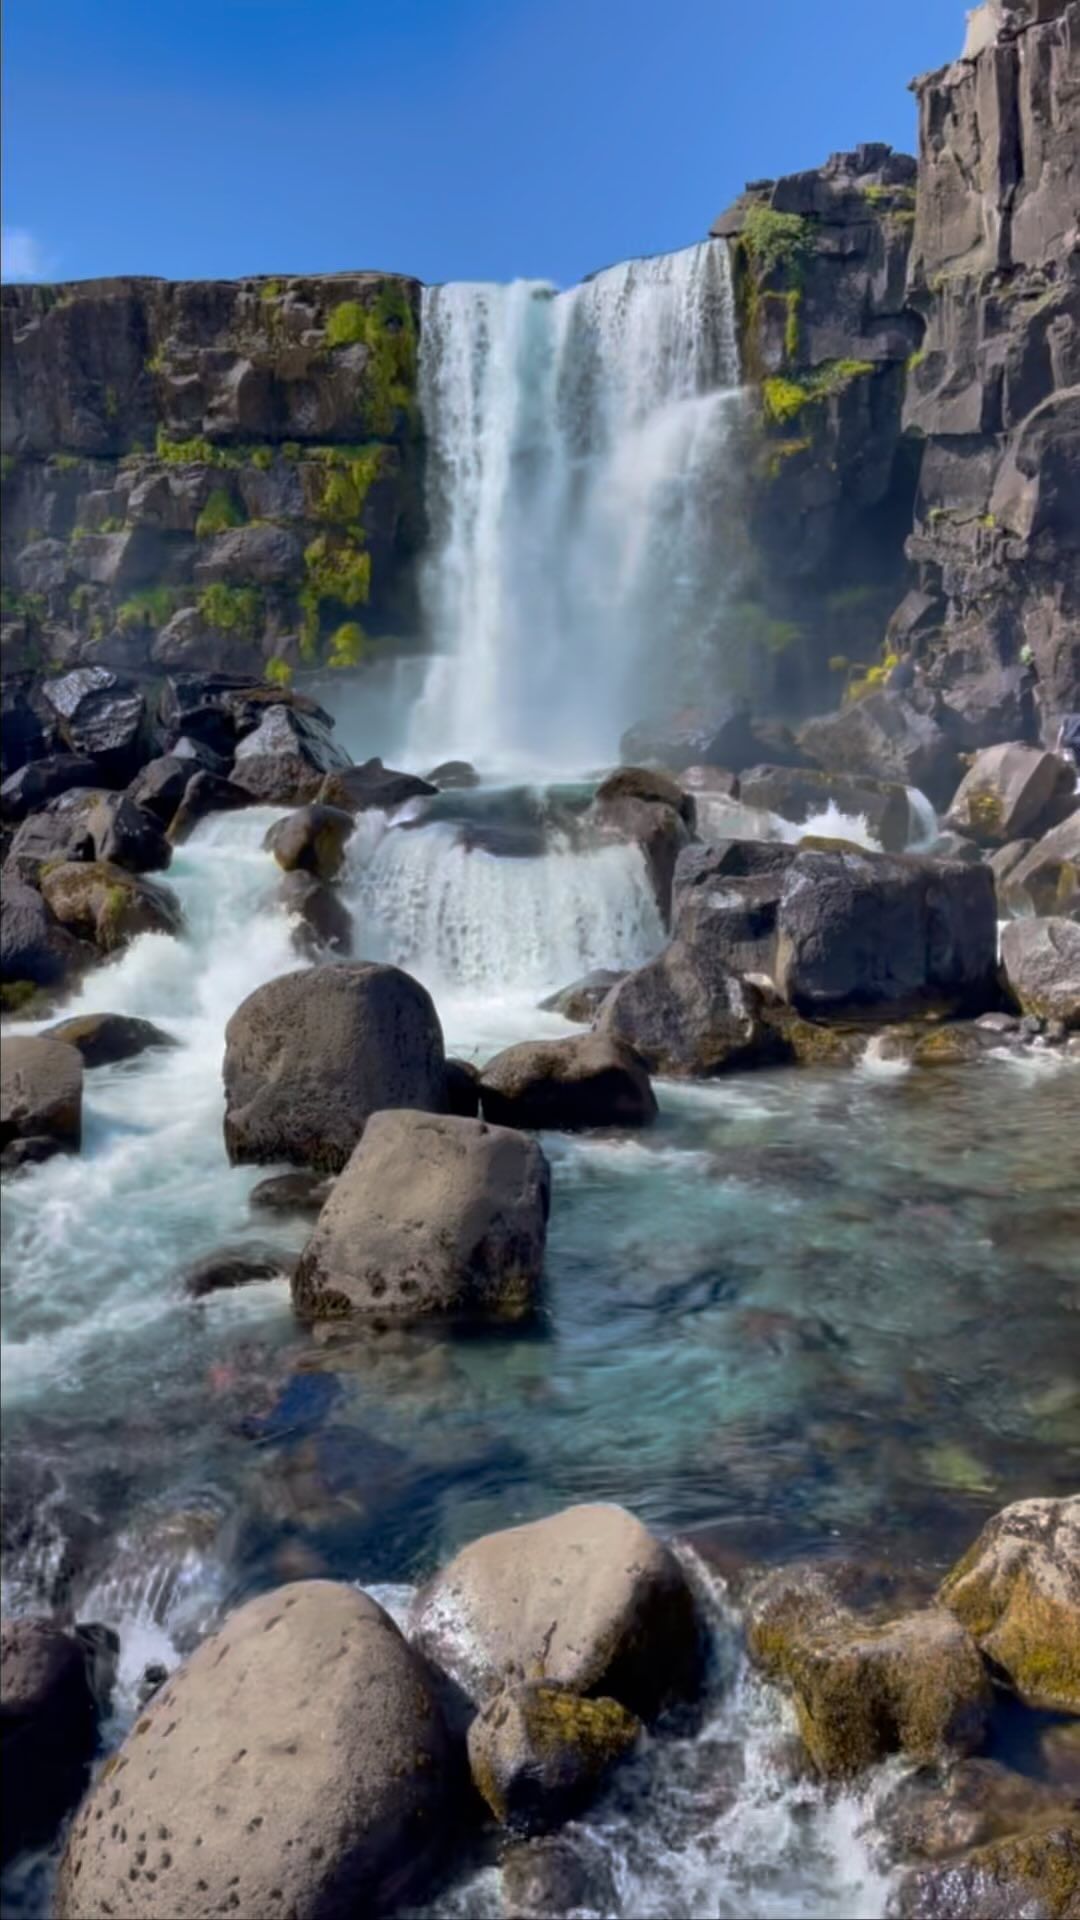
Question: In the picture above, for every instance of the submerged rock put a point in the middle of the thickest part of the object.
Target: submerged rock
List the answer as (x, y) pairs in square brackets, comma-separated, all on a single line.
[(104, 1038), (55, 1683), (1041, 964), (933, 1814), (290, 1193), (323, 922), (591, 1081), (546, 1879), (297, 1762), (310, 1056), (648, 810), (453, 776), (434, 1216), (312, 840), (108, 905), (894, 933), (539, 1753), (797, 793), (1017, 1591), (41, 1091), (582, 999), (1010, 791), (587, 1599), (863, 1689), (230, 1267)]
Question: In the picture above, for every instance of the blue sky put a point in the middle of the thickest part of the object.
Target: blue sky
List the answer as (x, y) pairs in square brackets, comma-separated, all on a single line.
[(454, 139)]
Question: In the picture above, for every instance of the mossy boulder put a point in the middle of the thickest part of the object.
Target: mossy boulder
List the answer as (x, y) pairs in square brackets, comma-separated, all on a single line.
[(538, 1753), (311, 840), (1010, 791), (1036, 1875), (108, 905), (935, 1813), (864, 1688), (1040, 960), (1017, 1591)]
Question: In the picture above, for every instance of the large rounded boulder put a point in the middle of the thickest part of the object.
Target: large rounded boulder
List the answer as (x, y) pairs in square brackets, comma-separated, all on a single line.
[(41, 1089), (310, 1056), (1017, 1590), (1010, 791), (107, 905), (103, 1039), (587, 1599), (285, 760), (297, 1763), (435, 1216), (34, 948), (311, 840), (586, 1081)]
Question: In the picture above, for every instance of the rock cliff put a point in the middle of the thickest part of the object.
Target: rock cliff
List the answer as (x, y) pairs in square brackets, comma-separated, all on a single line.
[(207, 473)]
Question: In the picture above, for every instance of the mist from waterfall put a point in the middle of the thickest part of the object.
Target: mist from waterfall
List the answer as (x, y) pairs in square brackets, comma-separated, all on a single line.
[(578, 455)]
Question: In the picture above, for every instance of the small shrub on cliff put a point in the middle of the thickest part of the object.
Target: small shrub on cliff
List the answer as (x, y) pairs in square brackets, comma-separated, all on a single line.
[(776, 240), (185, 452), (219, 514), (347, 645), (149, 607), (277, 671), (386, 328), (231, 609), (783, 400), (346, 324)]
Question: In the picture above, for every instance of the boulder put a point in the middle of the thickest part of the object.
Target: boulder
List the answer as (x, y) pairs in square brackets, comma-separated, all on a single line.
[(725, 902), (1041, 963), (862, 1688), (297, 1192), (285, 760), (434, 1216), (58, 831), (930, 1814), (230, 1267), (205, 793), (1011, 791), (1047, 880), (559, 1874), (1004, 860), (540, 1753), (104, 1038), (717, 781), (323, 923), (589, 1080), (685, 1014), (647, 783), (1035, 1873), (655, 824), (797, 793), (311, 840), (889, 933), (357, 789), (40, 781), (463, 1089), (26, 732), (103, 717), (1017, 1591), (159, 788), (264, 556), (41, 1090), (886, 737), (297, 1762), (50, 1702), (587, 1599), (108, 905), (310, 1056), (127, 835), (34, 947), (453, 776), (582, 999)]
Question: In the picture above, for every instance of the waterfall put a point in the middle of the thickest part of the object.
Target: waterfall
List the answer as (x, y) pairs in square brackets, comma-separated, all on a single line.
[(577, 465)]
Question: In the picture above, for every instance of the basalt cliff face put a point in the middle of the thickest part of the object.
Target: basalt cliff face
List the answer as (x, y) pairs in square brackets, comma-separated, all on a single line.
[(207, 473), (913, 332), (217, 474)]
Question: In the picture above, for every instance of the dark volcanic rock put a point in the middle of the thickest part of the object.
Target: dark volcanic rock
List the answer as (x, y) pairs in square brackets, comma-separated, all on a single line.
[(586, 1081), (232, 1267), (323, 922), (885, 933), (884, 736), (1047, 879), (206, 793), (286, 758), (462, 1089), (40, 781), (127, 835), (1041, 964), (796, 793), (104, 1038), (311, 1056), (34, 947), (722, 736), (104, 717), (312, 840), (357, 789), (726, 901), (160, 787), (1010, 791), (582, 999), (50, 1702), (434, 1216), (686, 1014)]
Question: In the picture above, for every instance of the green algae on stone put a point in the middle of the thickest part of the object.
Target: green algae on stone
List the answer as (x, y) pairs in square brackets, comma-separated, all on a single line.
[(1017, 1591), (539, 1752)]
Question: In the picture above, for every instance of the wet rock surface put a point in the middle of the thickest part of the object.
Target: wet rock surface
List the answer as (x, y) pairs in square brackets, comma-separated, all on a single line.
[(1017, 1590), (53, 1692), (589, 1082), (538, 1753), (41, 1089)]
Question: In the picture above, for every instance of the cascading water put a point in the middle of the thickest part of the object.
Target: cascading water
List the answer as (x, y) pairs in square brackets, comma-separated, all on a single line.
[(578, 459)]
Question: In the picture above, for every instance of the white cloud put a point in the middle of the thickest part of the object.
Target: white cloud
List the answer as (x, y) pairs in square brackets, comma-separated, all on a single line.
[(21, 257)]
